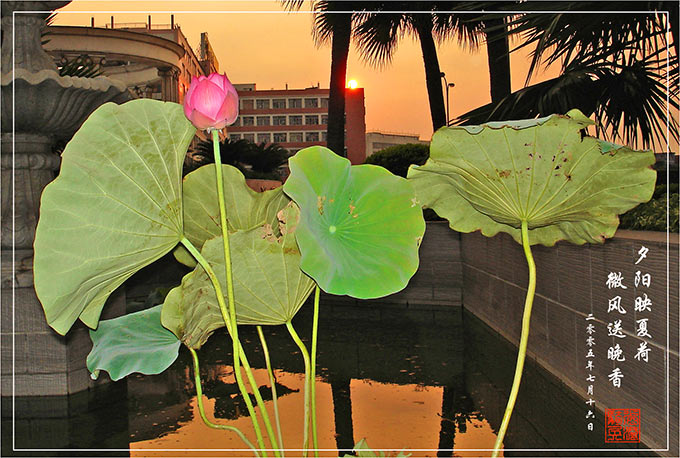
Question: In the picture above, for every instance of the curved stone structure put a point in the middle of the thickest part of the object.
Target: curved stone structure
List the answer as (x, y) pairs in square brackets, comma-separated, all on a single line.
[(114, 44)]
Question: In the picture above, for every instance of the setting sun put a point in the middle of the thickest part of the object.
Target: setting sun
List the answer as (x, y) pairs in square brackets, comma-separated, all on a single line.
[(352, 84)]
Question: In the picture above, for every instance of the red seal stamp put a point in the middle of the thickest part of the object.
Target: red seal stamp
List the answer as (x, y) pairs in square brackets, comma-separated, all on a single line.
[(622, 426)]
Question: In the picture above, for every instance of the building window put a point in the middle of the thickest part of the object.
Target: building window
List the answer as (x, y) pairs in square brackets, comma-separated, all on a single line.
[(295, 137), (324, 119), (234, 137), (311, 103), (294, 103), (248, 121), (247, 104), (263, 120), (237, 122), (324, 102), (295, 120), (249, 137), (279, 137), (311, 119), (324, 136), (263, 138), (279, 103), (279, 120), (311, 136), (262, 104)]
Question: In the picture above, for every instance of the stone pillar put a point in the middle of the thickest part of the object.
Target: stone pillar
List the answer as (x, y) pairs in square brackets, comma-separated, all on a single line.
[(169, 87), (36, 361), (38, 106)]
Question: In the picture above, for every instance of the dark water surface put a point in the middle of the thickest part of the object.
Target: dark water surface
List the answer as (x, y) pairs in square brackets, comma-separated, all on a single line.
[(400, 378)]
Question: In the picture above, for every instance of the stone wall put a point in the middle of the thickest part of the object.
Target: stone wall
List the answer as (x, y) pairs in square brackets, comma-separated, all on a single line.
[(571, 283), (436, 285)]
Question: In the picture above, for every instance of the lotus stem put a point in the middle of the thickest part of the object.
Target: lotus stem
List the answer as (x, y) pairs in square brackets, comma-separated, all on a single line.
[(199, 399), (524, 339), (223, 309), (230, 295), (272, 381), (312, 375), (305, 357)]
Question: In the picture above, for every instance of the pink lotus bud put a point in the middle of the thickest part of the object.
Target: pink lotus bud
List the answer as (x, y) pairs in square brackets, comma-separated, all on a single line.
[(211, 103)]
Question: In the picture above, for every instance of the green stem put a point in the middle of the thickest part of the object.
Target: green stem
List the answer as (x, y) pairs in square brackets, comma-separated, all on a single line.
[(312, 375), (526, 320), (223, 309), (199, 398), (305, 357), (272, 381), (230, 296)]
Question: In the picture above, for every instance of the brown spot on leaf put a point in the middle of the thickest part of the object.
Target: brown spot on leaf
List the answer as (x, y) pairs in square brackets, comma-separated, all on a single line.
[(503, 173), (319, 203), (351, 208)]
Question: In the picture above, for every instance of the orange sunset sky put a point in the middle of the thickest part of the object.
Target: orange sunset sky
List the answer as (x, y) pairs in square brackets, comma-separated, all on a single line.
[(258, 41)]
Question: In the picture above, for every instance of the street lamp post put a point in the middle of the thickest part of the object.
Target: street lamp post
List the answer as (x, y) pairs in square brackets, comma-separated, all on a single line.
[(448, 85)]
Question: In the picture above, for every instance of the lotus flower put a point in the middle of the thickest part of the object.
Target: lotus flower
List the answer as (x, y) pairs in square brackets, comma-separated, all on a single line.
[(211, 102)]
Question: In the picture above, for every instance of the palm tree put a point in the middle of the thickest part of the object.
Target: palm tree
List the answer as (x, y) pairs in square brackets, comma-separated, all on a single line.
[(333, 22), (612, 66), (377, 36), (492, 27), (254, 160)]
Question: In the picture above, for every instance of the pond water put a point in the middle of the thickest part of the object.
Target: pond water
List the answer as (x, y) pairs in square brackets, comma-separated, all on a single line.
[(433, 384)]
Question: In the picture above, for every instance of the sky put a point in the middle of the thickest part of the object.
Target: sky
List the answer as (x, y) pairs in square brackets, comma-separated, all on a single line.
[(260, 42)]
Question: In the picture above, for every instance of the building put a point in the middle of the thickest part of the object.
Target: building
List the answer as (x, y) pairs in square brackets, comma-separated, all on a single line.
[(375, 141), (153, 60), (298, 118)]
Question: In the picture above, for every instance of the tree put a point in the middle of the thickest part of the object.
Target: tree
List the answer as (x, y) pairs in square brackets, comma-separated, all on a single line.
[(377, 35), (612, 66), (252, 159), (333, 22)]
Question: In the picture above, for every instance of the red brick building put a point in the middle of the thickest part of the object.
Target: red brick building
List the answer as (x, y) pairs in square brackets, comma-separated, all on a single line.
[(298, 118)]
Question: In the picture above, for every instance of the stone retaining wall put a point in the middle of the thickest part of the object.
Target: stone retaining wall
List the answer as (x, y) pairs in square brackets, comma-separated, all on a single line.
[(571, 284)]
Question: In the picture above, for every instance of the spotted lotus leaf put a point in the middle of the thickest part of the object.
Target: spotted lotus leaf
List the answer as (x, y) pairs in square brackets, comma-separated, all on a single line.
[(115, 207), (269, 287), (360, 226), (565, 185), (246, 209)]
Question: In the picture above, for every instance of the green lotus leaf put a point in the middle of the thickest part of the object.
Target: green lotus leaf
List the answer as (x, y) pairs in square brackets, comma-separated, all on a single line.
[(362, 450), (115, 207), (136, 342), (360, 226), (246, 209), (564, 185), (269, 287)]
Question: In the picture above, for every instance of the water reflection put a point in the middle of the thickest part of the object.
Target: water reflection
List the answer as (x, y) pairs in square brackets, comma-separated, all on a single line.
[(438, 386)]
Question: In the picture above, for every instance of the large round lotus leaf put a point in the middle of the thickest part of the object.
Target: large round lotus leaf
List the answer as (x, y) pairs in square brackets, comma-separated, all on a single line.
[(269, 287), (136, 342), (246, 209), (360, 227), (115, 207), (565, 185)]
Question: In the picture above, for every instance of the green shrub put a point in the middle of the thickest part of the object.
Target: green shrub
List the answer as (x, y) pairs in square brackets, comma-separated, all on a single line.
[(651, 216), (397, 158)]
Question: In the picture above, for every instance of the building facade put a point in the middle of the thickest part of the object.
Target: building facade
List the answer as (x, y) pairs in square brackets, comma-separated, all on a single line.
[(376, 141), (298, 118), (153, 60)]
